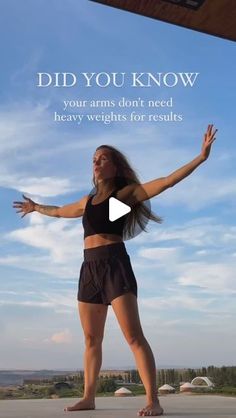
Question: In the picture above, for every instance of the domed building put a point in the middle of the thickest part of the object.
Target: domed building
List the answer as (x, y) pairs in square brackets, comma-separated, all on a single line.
[(123, 392), (187, 387), (165, 389), (202, 381)]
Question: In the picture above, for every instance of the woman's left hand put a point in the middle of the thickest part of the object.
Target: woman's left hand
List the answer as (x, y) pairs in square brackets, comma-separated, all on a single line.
[(209, 138)]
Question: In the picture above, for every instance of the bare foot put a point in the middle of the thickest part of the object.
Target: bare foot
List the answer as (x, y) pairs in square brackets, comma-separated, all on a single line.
[(81, 405), (151, 409)]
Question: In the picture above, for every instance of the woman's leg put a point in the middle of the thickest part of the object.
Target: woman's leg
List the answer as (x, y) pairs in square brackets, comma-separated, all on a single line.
[(126, 311), (93, 317)]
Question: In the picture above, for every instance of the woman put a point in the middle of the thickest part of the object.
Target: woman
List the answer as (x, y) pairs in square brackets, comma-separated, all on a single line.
[(106, 275)]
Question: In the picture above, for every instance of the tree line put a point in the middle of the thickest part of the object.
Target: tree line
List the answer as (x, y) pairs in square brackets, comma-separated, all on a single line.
[(225, 375)]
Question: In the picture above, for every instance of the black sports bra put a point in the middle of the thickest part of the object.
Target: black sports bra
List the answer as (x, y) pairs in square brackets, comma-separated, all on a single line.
[(95, 219)]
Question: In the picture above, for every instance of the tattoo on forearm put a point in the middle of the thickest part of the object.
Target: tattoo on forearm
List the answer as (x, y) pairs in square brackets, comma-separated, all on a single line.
[(47, 210)]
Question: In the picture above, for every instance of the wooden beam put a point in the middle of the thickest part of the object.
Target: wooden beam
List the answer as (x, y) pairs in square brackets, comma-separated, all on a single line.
[(214, 17)]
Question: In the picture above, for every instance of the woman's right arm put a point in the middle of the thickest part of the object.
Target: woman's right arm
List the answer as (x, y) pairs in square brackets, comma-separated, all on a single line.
[(73, 210)]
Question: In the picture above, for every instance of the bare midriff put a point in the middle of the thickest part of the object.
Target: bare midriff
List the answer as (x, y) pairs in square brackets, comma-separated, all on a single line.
[(101, 239)]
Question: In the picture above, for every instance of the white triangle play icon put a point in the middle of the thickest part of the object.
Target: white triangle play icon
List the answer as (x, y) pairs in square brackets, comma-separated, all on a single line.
[(117, 209)]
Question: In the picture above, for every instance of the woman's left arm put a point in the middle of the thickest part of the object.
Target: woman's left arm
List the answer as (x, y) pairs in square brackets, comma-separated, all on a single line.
[(153, 188)]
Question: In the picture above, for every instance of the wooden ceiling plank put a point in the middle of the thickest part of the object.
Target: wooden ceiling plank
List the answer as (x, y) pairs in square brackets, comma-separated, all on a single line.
[(217, 18)]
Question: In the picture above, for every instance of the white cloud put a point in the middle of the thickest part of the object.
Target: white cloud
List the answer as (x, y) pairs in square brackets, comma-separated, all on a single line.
[(182, 301), (44, 186), (60, 338), (160, 254), (215, 277), (60, 302), (26, 303), (55, 237), (23, 131), (208, 233), (63, 337), (32, 148), (42, 264), (192, 195)]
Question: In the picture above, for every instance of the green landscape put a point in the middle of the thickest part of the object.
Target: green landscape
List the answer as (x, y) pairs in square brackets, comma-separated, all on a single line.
[(71, 385)]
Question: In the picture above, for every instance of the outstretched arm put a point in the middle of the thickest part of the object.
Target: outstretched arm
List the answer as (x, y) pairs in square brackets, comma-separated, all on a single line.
[(73, 210), (153, 188)]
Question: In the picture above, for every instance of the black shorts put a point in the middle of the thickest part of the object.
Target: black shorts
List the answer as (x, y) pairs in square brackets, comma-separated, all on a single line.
[(106, 273)]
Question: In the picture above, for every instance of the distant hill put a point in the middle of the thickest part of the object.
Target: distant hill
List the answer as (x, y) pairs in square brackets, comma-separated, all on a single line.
[(16, 377)]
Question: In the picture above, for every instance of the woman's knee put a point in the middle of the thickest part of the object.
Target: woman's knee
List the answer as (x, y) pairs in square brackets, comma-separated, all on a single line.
[(93, 340), (135, 340)]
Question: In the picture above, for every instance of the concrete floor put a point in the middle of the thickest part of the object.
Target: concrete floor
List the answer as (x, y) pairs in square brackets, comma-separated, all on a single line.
[(179, 405)]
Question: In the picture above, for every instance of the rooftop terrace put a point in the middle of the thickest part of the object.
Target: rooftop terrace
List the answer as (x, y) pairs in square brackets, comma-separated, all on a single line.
[(178, 405)]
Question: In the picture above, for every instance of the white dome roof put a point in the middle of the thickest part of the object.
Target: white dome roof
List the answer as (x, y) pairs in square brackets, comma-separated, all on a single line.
[(204, 378), (123, 390), (187, 385), (166, 387)]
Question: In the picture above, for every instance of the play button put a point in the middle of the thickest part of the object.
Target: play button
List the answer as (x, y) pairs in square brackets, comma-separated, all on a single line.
[(131, 220), (117, 209)]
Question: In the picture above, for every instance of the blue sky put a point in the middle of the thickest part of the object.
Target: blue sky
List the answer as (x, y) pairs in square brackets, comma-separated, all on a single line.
[(185, 266)]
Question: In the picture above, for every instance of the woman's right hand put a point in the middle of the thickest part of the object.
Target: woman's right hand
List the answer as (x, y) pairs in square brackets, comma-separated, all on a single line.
[(25, 207)]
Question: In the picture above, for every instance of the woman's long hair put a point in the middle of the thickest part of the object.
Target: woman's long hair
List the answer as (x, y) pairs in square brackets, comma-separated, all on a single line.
[(125, 175)]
